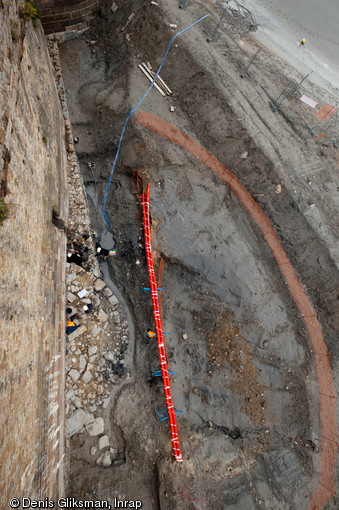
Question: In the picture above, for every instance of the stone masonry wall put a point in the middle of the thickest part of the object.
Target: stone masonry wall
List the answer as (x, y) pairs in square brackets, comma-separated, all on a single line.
[(32, 265), (60, 15)]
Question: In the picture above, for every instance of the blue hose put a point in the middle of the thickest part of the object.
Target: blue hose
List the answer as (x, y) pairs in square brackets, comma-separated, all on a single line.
[(134, 107)]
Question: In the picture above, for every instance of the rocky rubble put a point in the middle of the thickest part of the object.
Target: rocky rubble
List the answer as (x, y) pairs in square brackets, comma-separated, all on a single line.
[(95, 350)]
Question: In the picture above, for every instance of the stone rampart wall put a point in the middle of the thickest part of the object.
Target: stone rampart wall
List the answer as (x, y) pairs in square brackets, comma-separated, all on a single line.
[(33, 180), (61, 15)]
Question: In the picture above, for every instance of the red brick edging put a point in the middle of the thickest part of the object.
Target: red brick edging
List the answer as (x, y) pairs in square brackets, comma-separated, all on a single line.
[(329, 435)]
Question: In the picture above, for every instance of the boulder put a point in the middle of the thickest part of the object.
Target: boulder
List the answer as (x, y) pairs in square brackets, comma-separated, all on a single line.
[(96, 427), (77, 421)]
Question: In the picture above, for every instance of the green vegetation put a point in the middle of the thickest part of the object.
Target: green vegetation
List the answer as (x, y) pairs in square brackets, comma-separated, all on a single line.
[(29, 11), (4, 211), (15, 37)]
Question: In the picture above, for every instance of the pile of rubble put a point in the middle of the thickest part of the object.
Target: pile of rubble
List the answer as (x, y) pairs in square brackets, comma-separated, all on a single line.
[(95, 350), (94, 358)]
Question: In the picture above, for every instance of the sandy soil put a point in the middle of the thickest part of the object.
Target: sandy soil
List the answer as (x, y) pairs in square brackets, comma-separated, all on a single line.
[(245, 378)]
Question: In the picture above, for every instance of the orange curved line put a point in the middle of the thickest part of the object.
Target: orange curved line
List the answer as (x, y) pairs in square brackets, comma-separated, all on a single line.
[(329, 435)]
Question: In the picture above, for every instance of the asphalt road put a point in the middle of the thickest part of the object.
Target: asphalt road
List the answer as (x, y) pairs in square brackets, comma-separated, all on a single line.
[(288, 21)]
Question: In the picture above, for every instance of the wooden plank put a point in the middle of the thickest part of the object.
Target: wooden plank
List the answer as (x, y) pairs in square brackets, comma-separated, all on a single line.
[(129, 19), (161, 82), (151, 79)]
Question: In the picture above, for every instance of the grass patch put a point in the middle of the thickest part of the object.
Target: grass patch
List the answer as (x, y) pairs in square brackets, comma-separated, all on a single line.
[(29, 11)]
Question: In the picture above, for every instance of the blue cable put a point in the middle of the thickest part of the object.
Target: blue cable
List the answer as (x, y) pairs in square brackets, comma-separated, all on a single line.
[(134, 107)]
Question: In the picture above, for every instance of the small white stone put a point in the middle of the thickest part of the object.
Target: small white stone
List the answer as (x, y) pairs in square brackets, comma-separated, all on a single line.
[(86, 377), (70, 394), (102, 316), (113, 300), (103, 442), (106, 402), (95, 330), (99, 459), (92, 350), (94, 450), (99, 285), (74, 374), (77, 402), (107, 461), (109, 356), (82, 363), (96, 427), (70, 297), (108, 292)]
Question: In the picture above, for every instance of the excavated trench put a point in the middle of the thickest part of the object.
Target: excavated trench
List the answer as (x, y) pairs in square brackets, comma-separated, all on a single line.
[(236, 340)]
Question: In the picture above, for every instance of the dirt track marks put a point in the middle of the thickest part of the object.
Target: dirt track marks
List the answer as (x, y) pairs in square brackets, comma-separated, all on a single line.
[(329, 435)]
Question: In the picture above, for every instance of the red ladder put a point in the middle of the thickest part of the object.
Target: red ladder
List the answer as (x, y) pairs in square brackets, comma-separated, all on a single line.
[(158, 327)]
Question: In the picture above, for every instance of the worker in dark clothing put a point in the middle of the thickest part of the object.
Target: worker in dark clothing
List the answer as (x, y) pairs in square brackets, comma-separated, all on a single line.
[(74, 257), (101, 252), (88, 308), (150, 334), (71, 326)]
